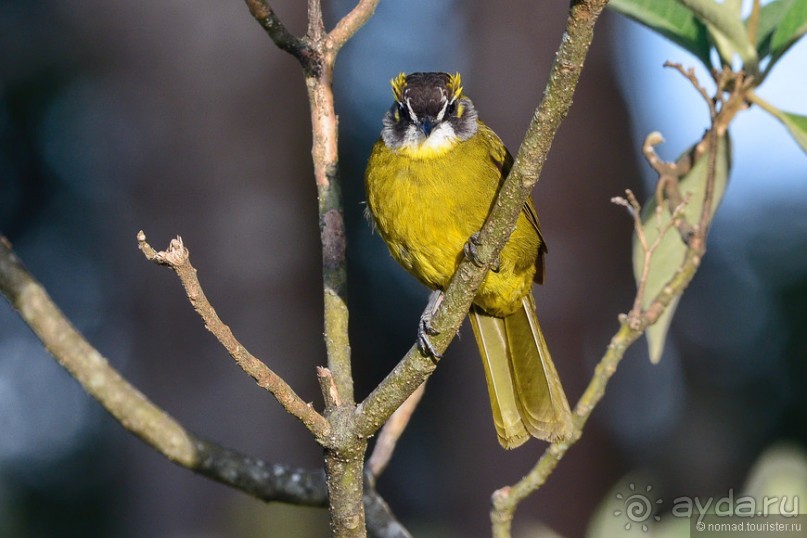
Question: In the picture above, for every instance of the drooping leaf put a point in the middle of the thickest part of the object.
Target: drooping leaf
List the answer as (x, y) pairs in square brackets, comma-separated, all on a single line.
[(671, 250), (727, 31), (791, 27), (770, 16), (797, 125), (670, 19)]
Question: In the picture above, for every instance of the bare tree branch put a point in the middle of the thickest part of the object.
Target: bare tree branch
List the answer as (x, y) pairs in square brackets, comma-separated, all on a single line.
[(649, 249), (178, 259), (381, 523), (392, 431), (350, 23), (265, 481), (415, 367), (132, 409), (316, 26), (506, 500), (632, 325), (738, 85), (285, 40), (669, 175), (344, 454)]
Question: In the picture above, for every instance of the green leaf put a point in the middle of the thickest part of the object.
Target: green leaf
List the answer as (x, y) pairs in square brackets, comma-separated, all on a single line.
[(770, 16), (727, 30), (791, 27), (670, 19), (671, 250), (797, 125)]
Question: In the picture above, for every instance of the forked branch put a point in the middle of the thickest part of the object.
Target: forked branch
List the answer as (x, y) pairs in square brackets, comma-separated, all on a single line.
[(137, 413), (270, 482), (722, 110), (177, 258), (416, 367)]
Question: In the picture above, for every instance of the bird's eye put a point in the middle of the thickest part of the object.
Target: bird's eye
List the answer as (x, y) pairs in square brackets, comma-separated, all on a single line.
[(451, 108), (398, 111), (401, 111)]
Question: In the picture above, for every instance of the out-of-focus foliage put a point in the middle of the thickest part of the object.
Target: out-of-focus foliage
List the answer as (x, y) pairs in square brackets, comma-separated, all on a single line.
[(773, 28)]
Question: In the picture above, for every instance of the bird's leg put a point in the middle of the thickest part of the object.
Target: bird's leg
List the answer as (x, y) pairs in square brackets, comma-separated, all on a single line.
[(425, 328), (470, 252)]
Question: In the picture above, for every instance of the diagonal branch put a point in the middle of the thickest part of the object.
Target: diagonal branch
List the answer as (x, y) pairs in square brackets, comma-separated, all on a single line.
[(265, 15), (269, 482), (132, 409), (178, 259), (344, 454), (285, 40), (506, 500), (633, 325), (392, 431), (350, 23), (415, 367)]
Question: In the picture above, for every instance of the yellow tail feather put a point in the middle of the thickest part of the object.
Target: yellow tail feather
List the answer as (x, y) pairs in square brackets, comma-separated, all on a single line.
[(526, 395)]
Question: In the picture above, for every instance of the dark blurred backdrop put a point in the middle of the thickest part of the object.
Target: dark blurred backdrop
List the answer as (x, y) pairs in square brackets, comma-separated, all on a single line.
[(182, 118)]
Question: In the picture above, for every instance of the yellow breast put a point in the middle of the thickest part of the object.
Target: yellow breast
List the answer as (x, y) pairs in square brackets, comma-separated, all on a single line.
[(427, 201)]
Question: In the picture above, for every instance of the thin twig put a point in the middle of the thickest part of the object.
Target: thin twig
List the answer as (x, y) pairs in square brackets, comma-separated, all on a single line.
[(662, 227), (350, 23), (266, 17), (689, 74), (344, 455), (739, 86), (669, 175), (392, 431), (136, 412), (268, 482), (329, 391), (178, 259), (649, 151), (505, 500), (702, 231)]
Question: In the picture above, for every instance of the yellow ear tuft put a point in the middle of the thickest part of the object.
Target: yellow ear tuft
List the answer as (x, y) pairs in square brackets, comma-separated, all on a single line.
[(455, 86), (398, 84)]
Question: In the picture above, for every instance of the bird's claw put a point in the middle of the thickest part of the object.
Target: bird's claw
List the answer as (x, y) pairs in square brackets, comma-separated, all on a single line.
[(470, 252), (425, 343), (425, 329)]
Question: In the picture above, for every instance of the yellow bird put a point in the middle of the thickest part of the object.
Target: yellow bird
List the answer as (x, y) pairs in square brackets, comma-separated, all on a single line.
[(431, 180)]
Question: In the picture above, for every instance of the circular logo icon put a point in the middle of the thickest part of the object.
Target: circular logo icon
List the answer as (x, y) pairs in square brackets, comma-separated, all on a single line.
[(638, 507)]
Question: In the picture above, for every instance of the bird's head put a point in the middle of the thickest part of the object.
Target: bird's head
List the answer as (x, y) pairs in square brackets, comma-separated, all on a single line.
[(430, 113)]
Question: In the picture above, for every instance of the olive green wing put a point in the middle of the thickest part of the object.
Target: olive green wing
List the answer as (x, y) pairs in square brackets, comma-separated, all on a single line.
[(504, 162)]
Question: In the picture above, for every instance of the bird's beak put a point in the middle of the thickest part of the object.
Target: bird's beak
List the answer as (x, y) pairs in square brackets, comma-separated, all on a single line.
[(426, 125)]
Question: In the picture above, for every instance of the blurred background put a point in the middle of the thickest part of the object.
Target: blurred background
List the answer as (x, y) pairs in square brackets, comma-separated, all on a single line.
[(182, 118)]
